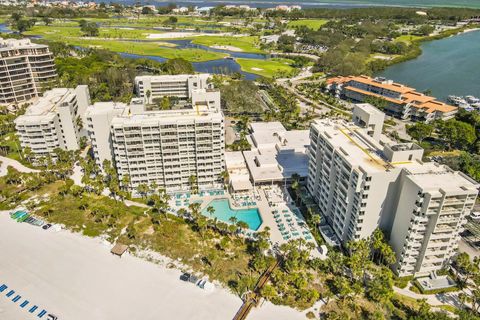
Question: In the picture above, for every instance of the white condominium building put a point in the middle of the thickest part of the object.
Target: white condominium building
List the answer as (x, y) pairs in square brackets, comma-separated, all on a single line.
[(54, 121), (25, 68), (363, 181), (167, 147), (430, 213), (180, 86)]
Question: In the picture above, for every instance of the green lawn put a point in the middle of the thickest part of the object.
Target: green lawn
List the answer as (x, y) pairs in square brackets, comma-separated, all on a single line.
[(408, 38), (246, 44), (11, 141), (59, 32), (114, 40), (314, 24), (277, 67), (150, 49), (158, 21)]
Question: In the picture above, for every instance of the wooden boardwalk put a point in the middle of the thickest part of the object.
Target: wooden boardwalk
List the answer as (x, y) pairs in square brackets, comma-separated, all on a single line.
[(253, 298)]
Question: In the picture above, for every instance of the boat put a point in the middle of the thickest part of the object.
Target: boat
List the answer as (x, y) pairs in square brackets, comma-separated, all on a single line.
[(469, 103)]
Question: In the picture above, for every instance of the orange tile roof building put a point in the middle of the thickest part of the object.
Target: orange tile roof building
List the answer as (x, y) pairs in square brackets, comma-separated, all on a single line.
[(402, 102)]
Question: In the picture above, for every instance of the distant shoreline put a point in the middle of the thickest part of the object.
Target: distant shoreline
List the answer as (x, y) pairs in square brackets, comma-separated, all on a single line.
[(333, 4)]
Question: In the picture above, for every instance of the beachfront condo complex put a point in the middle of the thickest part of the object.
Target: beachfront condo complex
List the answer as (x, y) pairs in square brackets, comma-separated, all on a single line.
[(362, 180), (177, 149), (399, 100), (151, 88), (54, 121), (26, 68)]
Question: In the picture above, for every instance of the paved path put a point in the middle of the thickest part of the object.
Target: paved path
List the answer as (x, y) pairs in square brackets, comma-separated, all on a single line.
[(6, 162), (449, 298), (77, 175), (130, 203)]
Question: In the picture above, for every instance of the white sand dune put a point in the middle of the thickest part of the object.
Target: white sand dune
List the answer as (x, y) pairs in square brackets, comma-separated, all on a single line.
[(174, 35), (229, 48), (76, 277)]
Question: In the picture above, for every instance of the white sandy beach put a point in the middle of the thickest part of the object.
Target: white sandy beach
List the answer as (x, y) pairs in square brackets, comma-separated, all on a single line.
[(76, 277), (176, 35), (229, 48)]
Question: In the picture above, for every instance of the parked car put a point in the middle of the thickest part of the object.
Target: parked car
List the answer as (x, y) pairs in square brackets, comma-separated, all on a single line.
[(201, 283), (185, 277), (475, 215), (193, 279), (46, 226)]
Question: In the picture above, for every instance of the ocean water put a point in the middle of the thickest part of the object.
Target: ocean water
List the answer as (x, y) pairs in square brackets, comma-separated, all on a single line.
[(449, 66)]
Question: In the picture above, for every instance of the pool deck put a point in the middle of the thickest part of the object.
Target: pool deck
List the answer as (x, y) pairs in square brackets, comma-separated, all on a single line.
[(265, 210)]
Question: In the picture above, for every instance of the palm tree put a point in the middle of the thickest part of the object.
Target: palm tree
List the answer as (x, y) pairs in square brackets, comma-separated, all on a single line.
[(192, 180), (224, 175), (242, 225), (296, 185), (210, 210), (316, 220), (148, 94), (159, 203), (182, 212), (233, 220), (202, 224), (126, 181), (142, 189), (195, 210)]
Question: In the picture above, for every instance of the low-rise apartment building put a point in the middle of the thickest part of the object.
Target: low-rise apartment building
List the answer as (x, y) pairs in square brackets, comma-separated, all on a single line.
[(180, 86), (26, 68), (55, 120), (400, 101), (171, 148), (362, 180)]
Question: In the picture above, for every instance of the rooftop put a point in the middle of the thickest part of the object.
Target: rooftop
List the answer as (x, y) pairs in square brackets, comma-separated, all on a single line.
[(276, 153), (9, 44), (433, 177), (48, 102), (169, 77), (356, 147), (407, 95)]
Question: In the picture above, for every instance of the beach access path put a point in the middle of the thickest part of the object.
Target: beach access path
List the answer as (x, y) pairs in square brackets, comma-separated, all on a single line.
[(76, 277), (5, 162)]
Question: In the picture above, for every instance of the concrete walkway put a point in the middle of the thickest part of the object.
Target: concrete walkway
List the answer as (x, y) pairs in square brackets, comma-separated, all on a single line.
[(449, 298), (6, 162)]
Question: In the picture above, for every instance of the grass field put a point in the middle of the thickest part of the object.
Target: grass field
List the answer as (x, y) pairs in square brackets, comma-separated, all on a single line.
[(271, 68), (246, 44), (408, 38), (58, 32), (182, 22), (150, 49), (117, 40), (314, 24)]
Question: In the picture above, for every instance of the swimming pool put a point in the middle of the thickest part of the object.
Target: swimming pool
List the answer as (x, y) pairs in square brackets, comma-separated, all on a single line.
[(224, 212)]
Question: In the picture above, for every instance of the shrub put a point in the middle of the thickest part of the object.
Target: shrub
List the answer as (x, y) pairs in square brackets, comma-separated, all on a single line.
[(402, 282)]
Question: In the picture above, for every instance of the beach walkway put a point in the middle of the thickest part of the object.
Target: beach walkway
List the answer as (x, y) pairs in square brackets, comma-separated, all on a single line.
[(6, 162)]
